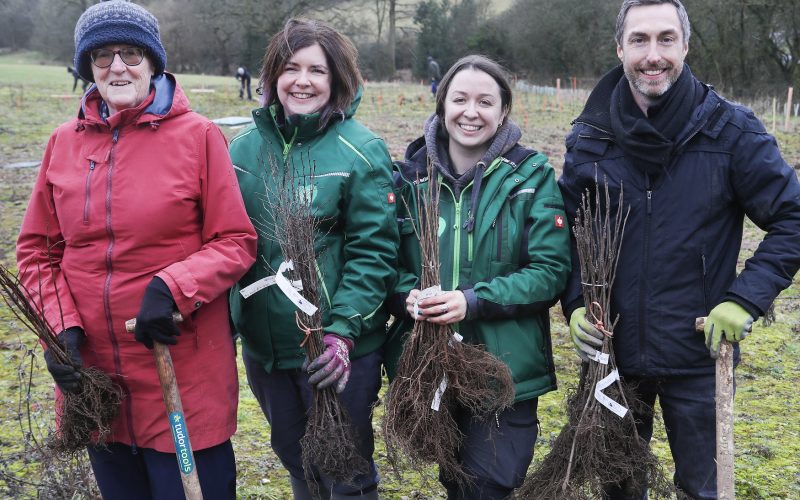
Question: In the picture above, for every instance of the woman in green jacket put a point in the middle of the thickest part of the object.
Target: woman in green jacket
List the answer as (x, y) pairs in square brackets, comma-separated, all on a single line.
[(504, 251), (311, 88)]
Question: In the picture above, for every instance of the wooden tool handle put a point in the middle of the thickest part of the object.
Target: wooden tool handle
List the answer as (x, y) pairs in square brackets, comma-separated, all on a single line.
[(177, 420), (700, 324), (130, 325)]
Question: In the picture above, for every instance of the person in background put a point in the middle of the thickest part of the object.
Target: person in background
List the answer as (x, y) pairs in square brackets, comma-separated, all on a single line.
[(77, 78), (434, 74), (504, 260), (312, 88), (693, 165), (136, 213), (243, 75)]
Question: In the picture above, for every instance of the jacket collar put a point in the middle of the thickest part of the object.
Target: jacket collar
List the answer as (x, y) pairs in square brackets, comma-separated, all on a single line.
[(166, 98), (301, 126), (596, 113)]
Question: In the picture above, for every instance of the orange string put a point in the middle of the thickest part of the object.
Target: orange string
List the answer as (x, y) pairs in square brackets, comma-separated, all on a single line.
[(307, 331), (596, 311)]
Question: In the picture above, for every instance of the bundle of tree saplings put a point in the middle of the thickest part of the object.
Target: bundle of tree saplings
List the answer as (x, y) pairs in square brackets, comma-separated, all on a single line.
[(84, 417), (599, 447), (328, 444), (438, 375)]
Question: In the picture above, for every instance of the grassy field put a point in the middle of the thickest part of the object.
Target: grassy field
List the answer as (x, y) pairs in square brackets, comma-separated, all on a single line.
[(35, 98)]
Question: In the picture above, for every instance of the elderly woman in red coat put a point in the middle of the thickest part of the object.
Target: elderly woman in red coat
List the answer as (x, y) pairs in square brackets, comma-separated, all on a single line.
[(137, 213)]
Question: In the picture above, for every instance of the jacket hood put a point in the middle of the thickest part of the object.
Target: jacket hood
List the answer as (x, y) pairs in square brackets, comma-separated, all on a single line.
[(711, 115), (166, 100), (436, 140), (597, 111), (434, 144)]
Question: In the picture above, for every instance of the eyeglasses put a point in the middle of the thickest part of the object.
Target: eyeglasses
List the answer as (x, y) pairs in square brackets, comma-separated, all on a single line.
[(131, 56)]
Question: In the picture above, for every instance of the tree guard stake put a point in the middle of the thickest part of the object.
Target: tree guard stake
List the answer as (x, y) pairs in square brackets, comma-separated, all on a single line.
[(723, 397)]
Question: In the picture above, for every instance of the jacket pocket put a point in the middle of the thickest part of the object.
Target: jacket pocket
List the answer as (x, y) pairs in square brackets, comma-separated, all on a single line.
[(87, 192), (704, 283)]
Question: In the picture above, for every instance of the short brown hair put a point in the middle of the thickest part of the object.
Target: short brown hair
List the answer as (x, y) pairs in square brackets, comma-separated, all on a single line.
[(627, 5), (480, 63), (340, 53)]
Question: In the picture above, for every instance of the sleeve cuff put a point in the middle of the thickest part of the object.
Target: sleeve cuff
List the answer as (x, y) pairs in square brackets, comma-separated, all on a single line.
[(754, 311), (568, 309), (472, 303)]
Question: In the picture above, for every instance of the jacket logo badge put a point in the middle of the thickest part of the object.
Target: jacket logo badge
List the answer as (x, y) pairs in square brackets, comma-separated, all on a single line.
[(559, 221), (390, 198)]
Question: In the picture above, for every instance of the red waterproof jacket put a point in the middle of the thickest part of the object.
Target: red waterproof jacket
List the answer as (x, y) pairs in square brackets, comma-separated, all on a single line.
[(149, 192)]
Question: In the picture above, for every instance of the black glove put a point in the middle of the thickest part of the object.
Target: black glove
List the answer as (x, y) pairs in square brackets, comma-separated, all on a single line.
[(66, 375), (154, 321)]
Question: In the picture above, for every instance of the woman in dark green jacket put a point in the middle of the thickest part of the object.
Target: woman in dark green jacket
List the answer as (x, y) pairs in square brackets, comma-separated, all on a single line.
[(311, 86), (504, 251)]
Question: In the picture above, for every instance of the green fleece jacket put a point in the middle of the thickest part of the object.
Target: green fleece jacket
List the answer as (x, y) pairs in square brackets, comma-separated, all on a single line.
[(511, 267), (355, 245)]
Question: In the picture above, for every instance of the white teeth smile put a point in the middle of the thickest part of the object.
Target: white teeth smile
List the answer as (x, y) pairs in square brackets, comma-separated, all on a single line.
[(653, 72), (469, 128), (119, 84), (298, 95)]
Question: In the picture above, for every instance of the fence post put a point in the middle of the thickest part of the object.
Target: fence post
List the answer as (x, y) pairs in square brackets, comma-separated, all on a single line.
[(788, 109)]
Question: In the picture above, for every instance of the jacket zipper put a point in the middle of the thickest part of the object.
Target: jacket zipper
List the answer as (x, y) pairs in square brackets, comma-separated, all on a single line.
[(107, 289), (595, 127), (87, 192), (705, 275), (288, 146), (469, 240), (646, 274), (456, 241), (500, 236)]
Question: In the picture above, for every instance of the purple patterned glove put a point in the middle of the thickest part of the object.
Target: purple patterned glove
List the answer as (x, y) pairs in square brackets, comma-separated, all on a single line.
[(333, 365)]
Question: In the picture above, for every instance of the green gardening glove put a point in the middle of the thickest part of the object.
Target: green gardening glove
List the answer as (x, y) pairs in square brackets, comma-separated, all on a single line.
[(730, 320), (585, 336)]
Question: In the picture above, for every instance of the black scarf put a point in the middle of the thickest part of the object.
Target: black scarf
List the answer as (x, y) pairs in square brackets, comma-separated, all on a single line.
[(649, 141)]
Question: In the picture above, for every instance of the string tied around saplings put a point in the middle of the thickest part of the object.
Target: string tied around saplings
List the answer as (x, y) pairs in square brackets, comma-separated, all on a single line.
[(596, 310), (307, 330)]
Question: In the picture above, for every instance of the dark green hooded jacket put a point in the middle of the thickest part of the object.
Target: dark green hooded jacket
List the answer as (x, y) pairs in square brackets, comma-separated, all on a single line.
[(356, 244), (511, 266)]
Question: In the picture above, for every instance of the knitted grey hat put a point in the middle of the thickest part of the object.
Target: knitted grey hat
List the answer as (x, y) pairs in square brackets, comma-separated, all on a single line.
[(117, 22)]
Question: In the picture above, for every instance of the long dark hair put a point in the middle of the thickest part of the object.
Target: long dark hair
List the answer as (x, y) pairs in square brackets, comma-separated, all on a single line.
[(340, 53), (481, 63)]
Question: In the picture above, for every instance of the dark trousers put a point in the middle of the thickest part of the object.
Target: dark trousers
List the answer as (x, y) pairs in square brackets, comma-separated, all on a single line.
[(149, 474), (245, 84), (285, 397), (687, 405), (496, 451)]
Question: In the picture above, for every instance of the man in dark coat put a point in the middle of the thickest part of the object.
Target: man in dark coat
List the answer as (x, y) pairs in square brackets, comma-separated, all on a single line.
[(691, 165)]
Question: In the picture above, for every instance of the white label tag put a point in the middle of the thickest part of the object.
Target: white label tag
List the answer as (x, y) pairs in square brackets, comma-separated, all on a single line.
[(606, 401), (600, 357), (292, 294), (437, 397), (263, 283), (457, 337), (431, 291)]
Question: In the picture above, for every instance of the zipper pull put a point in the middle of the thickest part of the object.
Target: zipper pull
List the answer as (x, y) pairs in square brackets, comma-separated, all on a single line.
[(649, 199), (114, 138)]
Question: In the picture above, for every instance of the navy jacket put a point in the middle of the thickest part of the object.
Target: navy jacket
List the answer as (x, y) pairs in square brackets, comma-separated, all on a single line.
[(683, 235)]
